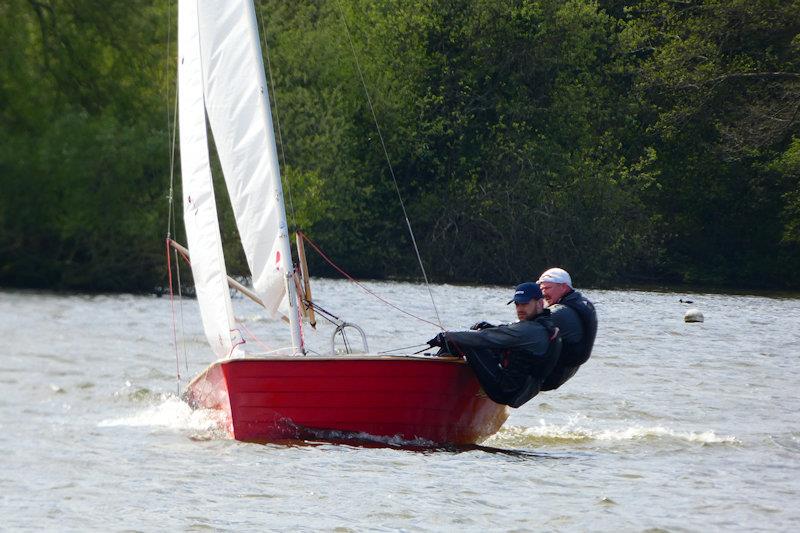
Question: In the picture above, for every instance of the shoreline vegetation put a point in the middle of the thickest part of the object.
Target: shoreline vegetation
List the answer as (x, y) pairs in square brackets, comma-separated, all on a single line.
[(634, 143)]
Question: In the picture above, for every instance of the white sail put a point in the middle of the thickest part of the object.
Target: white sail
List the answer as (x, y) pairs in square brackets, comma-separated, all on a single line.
[(199, 205), (240, 118)]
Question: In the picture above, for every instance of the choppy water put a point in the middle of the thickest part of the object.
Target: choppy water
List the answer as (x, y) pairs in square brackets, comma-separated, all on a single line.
[(670, 426)]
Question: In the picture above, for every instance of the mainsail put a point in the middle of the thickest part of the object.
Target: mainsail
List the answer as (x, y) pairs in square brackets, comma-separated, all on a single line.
[(199, 205), (239, 113), (222, 77)]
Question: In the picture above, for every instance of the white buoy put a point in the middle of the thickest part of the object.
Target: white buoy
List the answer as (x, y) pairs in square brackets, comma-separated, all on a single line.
[(693, 315)]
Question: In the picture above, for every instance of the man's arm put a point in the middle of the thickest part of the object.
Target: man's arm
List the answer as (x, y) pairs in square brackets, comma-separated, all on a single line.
[(568, 322), (497, 338)]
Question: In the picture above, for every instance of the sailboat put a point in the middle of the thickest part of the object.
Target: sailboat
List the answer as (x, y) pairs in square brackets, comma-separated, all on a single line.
[(289, 395)]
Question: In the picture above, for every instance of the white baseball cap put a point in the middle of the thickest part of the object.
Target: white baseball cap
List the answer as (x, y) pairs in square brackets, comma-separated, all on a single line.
[(555, 275)]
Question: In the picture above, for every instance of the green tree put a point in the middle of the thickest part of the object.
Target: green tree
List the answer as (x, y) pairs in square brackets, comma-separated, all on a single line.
[(83, 147), (516, 117), (721, 80)]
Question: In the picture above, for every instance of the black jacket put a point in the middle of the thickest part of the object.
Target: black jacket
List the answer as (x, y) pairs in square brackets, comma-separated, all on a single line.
[(522, 354), (577, 347)]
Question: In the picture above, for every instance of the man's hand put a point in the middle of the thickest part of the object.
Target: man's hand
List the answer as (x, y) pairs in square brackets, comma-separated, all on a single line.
[(481, 325), (439, 340)]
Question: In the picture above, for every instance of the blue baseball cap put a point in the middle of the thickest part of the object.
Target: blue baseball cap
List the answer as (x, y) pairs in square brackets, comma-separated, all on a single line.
[(526, 292)]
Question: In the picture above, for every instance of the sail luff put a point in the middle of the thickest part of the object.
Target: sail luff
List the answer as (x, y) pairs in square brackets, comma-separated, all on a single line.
[(238, 109), (199, 203)]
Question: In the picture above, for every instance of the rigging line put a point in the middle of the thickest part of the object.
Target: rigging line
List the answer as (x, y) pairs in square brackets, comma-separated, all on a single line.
[(319, 309), (173, 125), (389, 163), (274, 94), (180, 312), (326, 315), (267, 349), (241, 342), (174, 329), (365, 289), (171, 195), (427, 347), (402, 349), (175, 222), (167, 62), (247, 330)]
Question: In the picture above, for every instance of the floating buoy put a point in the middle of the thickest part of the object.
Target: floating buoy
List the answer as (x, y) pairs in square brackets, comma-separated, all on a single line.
[(693, 315)]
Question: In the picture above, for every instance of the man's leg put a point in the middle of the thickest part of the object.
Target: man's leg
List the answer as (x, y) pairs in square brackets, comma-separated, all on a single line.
[(486, 365)]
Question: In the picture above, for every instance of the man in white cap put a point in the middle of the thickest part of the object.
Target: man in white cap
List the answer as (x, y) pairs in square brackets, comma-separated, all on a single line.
[(576, 319), (509, 360)]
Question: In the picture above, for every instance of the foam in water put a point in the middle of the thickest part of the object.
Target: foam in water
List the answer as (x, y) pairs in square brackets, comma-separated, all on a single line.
[(575, 430), (360, 437), (170, 412)]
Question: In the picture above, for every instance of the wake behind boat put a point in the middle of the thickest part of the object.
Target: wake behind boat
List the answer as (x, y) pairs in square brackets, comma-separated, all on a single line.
[(275, 397)]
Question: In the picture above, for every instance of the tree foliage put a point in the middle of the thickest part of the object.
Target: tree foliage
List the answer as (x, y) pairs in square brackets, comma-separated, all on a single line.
[(627, 141), (721, 84), (83, 144)]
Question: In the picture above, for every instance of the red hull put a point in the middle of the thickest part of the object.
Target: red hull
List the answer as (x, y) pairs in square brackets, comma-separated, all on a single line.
[(435, 399)]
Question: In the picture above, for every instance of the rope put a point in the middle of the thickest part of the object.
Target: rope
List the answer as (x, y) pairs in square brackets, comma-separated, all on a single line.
[(252, 335), (404, 348), (322, 311), (267, 349), (240, 343), (174, 328), (173, 125), (391, 170), (365, 289), (180, 312)]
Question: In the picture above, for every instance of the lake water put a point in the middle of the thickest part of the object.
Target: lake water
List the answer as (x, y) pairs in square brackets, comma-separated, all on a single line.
[(669, 427)]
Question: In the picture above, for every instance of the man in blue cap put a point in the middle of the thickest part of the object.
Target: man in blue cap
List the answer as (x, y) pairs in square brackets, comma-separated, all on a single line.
[(512, 360)]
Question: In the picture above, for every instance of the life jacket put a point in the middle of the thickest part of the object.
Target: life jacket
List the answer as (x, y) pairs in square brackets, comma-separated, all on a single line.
[(555, 347), (573, 355), (579, 353), (540, 373)]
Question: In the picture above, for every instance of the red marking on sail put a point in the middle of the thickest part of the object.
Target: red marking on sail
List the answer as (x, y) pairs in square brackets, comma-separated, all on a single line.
[(277, 257)]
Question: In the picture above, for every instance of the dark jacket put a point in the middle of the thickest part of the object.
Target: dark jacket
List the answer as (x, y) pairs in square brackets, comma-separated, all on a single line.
[(510, 360), (576, 319)]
